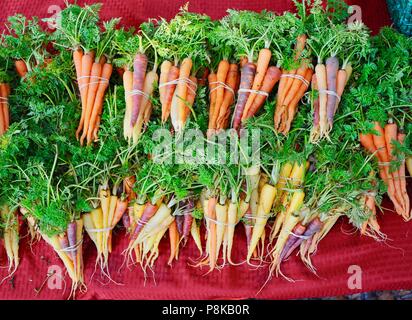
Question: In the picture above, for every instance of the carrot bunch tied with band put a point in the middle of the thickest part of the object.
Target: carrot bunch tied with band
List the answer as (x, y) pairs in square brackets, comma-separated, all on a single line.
[(333, 43), (223, 79), (135, 53), (257, 39), (181, 46), (293, 84), (382, 144), (92, 52)]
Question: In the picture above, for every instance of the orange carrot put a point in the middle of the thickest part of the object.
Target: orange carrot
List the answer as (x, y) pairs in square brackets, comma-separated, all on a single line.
[(164, 74), (99, 99), (229, 97), (77, 59), (367, 142), (191, 96), (391, 135), (21, 68), (287, 85), (2, 120), (280, 97), (178, 110), (170, 89), (291, 111), (174, 237), (300, 45), (295, 84), (262, 65), (87, 63), (4, 106), (340, 85), (221, 76), (212, 78), (379, 142), (402, 178), (93, 85), (271, 78), (121, 208)]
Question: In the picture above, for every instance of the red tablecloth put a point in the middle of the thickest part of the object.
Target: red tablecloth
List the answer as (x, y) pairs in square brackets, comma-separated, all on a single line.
[(385, 265)]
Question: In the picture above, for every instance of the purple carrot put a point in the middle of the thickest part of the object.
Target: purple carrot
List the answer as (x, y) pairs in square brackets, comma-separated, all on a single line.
[(188, 220), (64, 242), (139, 74), (126, 220), (332, 67), (72, 236), (316, 117), (148, 212), (179, 223), (247, 74), (314, 226), (297, 231)]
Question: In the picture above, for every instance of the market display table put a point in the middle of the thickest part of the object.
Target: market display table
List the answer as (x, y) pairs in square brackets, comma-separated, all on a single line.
[(383, 265)]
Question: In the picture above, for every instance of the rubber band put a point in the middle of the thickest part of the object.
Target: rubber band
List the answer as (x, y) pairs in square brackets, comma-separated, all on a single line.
[(262, 93), (296, 76), (299, 236), (385, 164), (4, 99), (72, 248), (137, 92), (291, 179), (186, 81), (220, 222), (100, 230), (370, 193), (222, 85), (141, 223), (291, 190), (101, 80), (331, 93)]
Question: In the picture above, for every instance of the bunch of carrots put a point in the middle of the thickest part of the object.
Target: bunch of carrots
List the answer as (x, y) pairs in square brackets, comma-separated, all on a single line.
[(69, 248), (10, 231), (99, 223), (292, 86), (139, 86), (381, 143), (92, 61), (4, 107), (93, 75), (221, 217), (222, 87), (180, 229), (177, 90), (290, 199), (330, 82), (148, 224)]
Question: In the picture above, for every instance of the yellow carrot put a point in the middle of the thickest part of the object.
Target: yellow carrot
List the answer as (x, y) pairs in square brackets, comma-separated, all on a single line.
[(266, 200)]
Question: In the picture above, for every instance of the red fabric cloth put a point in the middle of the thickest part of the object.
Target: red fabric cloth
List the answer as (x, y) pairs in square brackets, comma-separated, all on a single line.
[(385, 265)]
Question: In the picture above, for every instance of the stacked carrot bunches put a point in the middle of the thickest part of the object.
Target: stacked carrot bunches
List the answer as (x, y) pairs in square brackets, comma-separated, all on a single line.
[(287, 193)]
